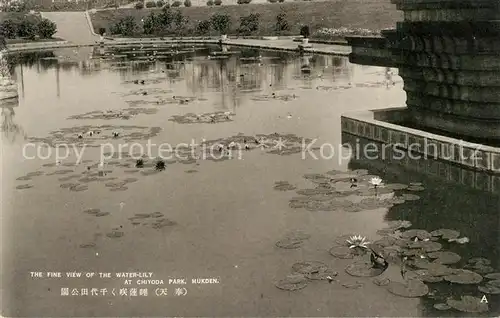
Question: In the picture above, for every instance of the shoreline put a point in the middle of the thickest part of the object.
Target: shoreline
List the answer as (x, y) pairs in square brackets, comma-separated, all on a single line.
[(331, 48)]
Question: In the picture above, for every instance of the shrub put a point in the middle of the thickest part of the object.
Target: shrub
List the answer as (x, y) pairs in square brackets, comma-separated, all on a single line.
[(210, 3), (126, 26), (27, 29), (240, 2), (160, 3), (304, 31), (180, 23), (220, 22), (281, 1), (102, 31), (150, 4), (281, 23), (218, 2), (247, 1), (8, 29), (187, 3), (249, 24), (46, 28), (152, 24), (176, 4), (139, 5), (203, 27), (272, 1)]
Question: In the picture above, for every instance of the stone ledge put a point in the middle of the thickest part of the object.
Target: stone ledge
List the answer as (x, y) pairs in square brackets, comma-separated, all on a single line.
[(442, 170), (462, 93), (365, 125), (479, 110)]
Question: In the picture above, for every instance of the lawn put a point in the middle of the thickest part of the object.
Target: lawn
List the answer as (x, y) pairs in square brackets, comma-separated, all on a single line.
[(367, 14), (18, 41)]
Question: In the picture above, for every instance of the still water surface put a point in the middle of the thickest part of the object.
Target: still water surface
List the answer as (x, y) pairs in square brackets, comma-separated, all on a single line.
[(220, 218)]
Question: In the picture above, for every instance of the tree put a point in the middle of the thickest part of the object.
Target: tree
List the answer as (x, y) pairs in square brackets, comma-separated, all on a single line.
[(218, 2), (221, 23), (180, 22), (176, 4), (125, 26), (139, 5), (27, 29), (8, 29), (187, 3), (210, 3), (46, 28), (249, 24), (304, 31), (281, 23), (160, 3), (203, 27), (150, 4), (151, 24)]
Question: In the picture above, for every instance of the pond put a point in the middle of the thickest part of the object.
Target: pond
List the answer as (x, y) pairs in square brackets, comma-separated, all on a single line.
[(98, 176)]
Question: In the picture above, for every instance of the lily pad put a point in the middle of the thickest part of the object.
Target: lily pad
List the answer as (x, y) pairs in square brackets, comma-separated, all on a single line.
[(353, 285), (441, 306), (446, 234), (24, 186), (423, 275), (381, 281), (102, 214), (309, 267), (342, 252), (427, 246), (463, 276), (468, 304), (322, 275), (284, 187), (445, 257), (87, 245), (292, 282), (415, 188), (24, 178), (92, 211), (420, 234), (493, 276), (118, 189), (489, 289), (289, 243), (161, 223), (363, 269), (413, 288), (115, 234), (78, 188), (495, 282), (410, 197), (479, 260), (396, 186)]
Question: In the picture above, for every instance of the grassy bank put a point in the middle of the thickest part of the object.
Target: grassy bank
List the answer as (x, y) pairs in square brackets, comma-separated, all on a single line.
[(19, 41), (369, 14)]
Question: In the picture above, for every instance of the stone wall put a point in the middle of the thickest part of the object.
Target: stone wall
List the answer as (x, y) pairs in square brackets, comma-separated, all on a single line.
[(447, 53)]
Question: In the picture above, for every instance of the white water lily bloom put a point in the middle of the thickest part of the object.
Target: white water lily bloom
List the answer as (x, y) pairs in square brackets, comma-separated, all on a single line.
[(376, 181), (357, 241)]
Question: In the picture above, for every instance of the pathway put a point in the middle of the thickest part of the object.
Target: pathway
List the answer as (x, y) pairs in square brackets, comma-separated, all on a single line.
[(72, 26)]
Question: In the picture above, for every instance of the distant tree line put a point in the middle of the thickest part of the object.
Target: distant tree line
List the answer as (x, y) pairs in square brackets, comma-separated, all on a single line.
[(172, 22), (28, 26)]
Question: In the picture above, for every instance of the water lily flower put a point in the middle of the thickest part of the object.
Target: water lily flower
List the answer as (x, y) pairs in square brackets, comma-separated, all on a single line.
[(376, 181), (357, 241)]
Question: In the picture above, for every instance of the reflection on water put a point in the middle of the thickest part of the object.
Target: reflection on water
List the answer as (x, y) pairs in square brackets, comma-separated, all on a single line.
[(217, 217), (11, 131), (469, 208)]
